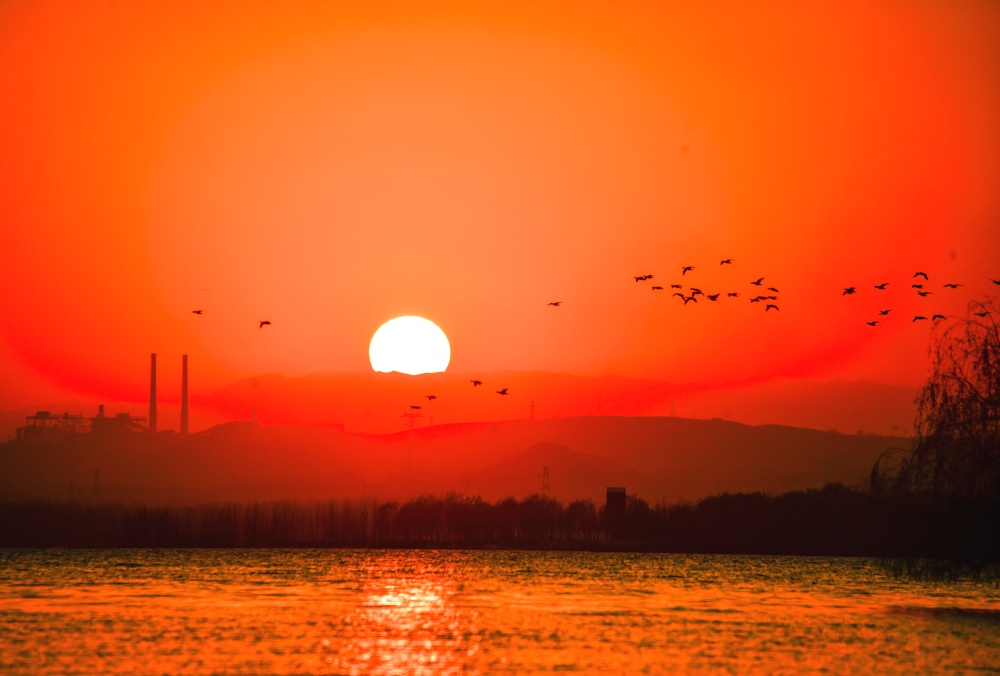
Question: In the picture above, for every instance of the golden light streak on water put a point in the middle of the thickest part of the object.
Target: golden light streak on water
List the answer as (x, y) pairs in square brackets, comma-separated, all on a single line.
[(421, 612)]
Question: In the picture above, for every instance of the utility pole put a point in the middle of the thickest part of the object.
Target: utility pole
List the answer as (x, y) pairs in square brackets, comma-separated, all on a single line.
[(409, 444)]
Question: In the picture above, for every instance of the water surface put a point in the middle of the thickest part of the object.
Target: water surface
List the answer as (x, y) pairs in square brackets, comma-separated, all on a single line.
[(390, 612)]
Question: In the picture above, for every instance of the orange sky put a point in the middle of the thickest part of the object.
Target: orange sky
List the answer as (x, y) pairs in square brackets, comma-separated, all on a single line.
[(330, 166)]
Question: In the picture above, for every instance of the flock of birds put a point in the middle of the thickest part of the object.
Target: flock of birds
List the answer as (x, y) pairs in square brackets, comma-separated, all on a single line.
[(691, 296), (693, 292), (770, 299), (922, 291)]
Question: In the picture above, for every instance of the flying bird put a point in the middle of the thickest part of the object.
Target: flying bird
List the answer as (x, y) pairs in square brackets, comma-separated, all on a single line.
[(679, 295), (431, 397), (197, 312), (937, 317), (924, 294), (556, 303), (772, 306), (995, 281), (676, 286), (884, 312), (713, 297), (952, 286), (264, 323), (733, 294), (695, 291), (727, 261), (756, 299), (656, 288), (872, 323), (848, 291), (503, 391), (881, 287), (916, 286), (688, 298), (918, 318), (476, 383), (771, 288), (920, 274), (758, 282), (416, 408), (685, 269)]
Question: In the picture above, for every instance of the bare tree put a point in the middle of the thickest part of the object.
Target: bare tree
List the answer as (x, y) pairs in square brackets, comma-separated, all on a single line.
[(955, 457)]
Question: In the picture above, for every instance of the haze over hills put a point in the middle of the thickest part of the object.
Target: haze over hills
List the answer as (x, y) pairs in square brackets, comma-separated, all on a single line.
[(368, 402), (659, 459), (375, 402)]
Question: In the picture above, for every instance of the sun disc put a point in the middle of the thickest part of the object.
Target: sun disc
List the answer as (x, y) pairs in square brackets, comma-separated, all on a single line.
[(410, 345)]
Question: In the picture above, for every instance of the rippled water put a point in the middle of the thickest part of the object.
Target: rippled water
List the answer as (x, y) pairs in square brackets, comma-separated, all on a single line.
[(388, 612)]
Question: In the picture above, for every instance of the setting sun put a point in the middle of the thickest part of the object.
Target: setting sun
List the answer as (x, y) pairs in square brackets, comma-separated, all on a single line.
[(411, 345)]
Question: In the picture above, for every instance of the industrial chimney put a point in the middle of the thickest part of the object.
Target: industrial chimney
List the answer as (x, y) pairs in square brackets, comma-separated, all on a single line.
[(184, 394), (152, 392)]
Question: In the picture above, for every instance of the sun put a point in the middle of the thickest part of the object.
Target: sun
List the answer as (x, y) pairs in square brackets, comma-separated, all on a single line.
[(409, 345)]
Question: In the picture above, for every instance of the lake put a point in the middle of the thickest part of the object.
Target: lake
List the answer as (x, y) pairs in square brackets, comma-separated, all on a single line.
[(402, 611)]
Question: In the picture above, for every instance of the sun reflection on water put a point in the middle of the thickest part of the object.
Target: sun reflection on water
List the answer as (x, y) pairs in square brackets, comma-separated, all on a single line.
[(404, 612)]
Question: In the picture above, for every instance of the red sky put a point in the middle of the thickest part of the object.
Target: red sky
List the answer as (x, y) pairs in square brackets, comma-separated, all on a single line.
[(329, 166)]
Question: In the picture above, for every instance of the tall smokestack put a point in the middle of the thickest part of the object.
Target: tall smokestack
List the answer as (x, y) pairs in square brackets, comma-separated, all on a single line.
[(184, 394), (152, 392)]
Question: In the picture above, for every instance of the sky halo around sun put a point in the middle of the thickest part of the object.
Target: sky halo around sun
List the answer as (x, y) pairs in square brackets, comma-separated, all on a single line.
[(411, 345)]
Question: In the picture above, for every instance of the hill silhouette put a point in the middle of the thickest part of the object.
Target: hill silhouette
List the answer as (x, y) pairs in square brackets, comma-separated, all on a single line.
[(659, 459)]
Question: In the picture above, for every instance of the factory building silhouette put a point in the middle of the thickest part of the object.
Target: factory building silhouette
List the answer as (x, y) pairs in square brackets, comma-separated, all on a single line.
[(47, 426)]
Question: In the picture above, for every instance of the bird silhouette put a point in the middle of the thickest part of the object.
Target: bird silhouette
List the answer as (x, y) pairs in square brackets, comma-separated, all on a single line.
[(884, 312), (952, 286), (197, 312), (918, 318), (264, 323), (640, 278), (676, 286), (431, 397), (848, 291), (758, 282), (881, 287), (756, 299), (476, 383), (713, 297), (770, 298), (995, 281), (416, 408), (920, 274), (924, 294), (772, 306), (689, 298), (733, 294), (556, 303), (916, 286), (727, 261), (934, 318), (503, 391), (685, 269), (771, 288), (656, 288), (872, 323), (679, 295), (696, 291)]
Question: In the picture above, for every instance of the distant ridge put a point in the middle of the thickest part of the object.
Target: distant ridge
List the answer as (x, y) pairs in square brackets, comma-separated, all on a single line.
[(367, 402), (661, 459)]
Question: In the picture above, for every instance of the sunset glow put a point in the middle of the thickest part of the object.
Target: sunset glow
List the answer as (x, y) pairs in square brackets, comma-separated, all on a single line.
[(325, 166)]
